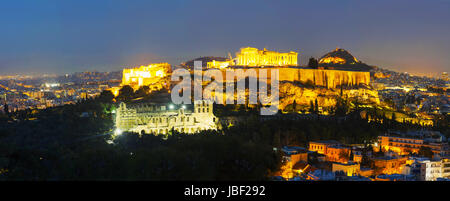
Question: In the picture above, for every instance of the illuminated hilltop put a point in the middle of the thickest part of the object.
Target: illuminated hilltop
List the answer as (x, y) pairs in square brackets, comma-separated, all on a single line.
[(145, 75), (341, 59), (341, 76), (155, 76)]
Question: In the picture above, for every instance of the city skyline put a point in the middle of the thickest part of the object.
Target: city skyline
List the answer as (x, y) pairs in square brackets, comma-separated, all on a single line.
[(66, 37)]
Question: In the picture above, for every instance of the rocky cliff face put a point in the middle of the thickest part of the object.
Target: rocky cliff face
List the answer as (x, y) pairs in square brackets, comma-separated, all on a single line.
[(306, 85), (316, 77), (303, 95), (325, 78), (325, 97)]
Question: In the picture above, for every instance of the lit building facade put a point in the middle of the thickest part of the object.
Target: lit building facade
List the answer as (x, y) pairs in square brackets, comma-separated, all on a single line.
[(321, 147), (349, 169), (249, 56), (333, 150), (338, 153), (445, 168), (389, 165), (162, 119), (406, 145), (431, 170)]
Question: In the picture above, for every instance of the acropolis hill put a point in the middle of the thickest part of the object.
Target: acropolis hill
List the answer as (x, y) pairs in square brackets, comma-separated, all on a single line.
[(336, 68), (339, 74)]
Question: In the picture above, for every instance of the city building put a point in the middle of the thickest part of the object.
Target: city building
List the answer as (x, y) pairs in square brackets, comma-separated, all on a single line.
[(431, 170), (321, 146), (411, 142), (444, 76), (333, 150), (349, 169), (389, 164), (293, 154), (162, 118), (338, 153), (445, 168)]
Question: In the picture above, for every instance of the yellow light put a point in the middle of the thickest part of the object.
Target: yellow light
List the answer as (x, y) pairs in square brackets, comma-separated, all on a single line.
[(250, 56), (334, 60), (149, 75), (160, 73)]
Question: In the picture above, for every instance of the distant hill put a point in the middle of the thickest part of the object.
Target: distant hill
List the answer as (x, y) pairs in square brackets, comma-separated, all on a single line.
[(342, 60)]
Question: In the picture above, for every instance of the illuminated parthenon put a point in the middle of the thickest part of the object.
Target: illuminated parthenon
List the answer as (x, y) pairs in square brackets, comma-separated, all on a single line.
[(249, 56)]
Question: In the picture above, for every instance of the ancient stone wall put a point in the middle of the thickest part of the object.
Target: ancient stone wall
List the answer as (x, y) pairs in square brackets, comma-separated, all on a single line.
[(317, 77)]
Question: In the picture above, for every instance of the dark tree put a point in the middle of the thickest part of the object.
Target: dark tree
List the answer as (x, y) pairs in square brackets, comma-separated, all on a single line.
[(142, 91), (276, 140), (313, 63), (126, 93), (393, 117), (106, 96), (6, 109), (311, 106), (294, 106), (316, 106)]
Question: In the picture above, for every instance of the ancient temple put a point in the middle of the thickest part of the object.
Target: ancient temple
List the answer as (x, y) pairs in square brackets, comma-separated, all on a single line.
[(252, 57)]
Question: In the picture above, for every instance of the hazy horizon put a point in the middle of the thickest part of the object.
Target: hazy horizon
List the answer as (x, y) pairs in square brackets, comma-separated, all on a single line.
[(58, 37)]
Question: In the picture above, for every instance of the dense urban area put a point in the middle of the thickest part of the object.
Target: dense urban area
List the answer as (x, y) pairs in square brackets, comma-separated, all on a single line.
[(358, 123)]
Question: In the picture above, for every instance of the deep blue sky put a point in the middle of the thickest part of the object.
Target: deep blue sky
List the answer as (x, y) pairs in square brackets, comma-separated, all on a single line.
[(54, 36)]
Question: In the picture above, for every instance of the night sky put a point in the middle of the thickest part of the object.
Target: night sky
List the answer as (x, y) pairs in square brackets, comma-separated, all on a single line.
[(43, 36)]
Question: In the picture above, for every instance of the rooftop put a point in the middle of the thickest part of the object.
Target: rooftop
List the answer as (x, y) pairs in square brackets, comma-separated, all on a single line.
[(326, 142)]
